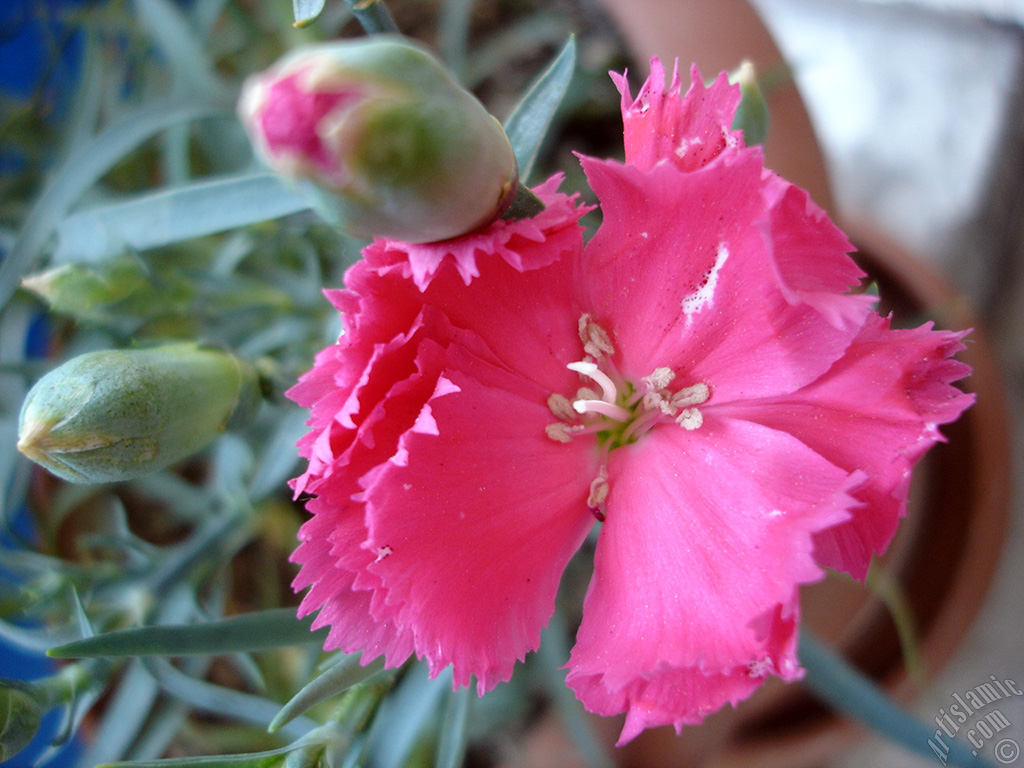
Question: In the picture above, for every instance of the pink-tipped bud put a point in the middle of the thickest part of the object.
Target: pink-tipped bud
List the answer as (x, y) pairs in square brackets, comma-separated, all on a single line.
[(382, 138)]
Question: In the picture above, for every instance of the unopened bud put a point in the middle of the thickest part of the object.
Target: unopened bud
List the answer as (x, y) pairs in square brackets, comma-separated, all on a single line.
[(382, 138), (21, 714), (83, 292), (752, 113), (114, 415)]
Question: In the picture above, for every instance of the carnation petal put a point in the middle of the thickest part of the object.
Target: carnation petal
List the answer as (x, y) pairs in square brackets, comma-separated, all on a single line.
[(477, 523), (696, 566), (524, 244), (691, 285), (877, 410), (811, 256), (689, 130)]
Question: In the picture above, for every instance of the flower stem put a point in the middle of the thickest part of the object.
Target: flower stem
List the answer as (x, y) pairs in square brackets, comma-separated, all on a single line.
[(373, 15)]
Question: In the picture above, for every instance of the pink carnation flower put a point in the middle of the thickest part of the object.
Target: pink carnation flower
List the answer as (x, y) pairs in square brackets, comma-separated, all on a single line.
[(696, 377)]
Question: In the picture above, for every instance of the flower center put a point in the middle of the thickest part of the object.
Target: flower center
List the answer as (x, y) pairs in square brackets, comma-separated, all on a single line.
[(621, 412)]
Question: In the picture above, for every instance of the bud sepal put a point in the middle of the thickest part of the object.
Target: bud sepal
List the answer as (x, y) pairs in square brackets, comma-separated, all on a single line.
[(382, 138), (118, 414)]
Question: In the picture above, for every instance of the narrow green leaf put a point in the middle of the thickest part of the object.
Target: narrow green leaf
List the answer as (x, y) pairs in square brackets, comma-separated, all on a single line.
[(553, 652), (528, 124), (844, 688), (218, 700), (123, 716), (180, 45), (406, 715), (170, 216), (247, 632), (83, 168), (306, 11), (254, 760), (374, 16), (334, 680), (453, 33), (451, 745)]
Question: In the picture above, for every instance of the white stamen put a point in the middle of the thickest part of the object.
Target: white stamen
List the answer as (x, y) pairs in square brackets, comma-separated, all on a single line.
[(383, 552), (603, 407), (660, 378), (596, 341), (690, 419), (561, 407), (559, 431), (693, 395), (598, 489), (701, 297), (656, 400), (608, 391)]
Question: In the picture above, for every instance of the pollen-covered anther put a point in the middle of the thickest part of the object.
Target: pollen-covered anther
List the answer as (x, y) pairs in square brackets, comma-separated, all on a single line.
[(560, 406), (559, 431), (696, 394), (598, 490), (660, 378), (596, 341), (656, 400), (690, 419)]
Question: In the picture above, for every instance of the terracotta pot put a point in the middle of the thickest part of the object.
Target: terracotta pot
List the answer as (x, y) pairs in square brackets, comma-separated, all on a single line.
[(947, 549)]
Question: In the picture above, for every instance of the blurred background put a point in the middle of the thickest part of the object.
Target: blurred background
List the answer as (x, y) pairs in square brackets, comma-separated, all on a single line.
[(919, 107)]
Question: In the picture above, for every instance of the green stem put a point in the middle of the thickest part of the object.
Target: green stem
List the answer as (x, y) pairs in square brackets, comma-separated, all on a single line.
[(374, 16), (834, 681)]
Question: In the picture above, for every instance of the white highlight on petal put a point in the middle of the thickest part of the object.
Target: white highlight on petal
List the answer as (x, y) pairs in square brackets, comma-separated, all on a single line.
[(685, 144), (705, 292), (759, 668), (383, 552), (609, 392)]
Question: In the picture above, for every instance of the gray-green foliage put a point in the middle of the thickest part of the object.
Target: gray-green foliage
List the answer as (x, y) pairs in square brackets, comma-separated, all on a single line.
[(141, 219)]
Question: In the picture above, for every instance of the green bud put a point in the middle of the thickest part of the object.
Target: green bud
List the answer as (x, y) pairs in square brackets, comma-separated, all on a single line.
[(383, 139), (83, 292), (752, 114), (114, 415), (21, 713)]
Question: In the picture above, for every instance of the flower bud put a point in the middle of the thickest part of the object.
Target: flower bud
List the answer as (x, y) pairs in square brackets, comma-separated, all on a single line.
[(114, 415), (84, 292), (382, 138), (21, 714), (752, 113)]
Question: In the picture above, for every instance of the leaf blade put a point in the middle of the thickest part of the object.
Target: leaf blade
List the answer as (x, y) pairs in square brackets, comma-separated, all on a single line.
[(172, 215), (529, 122), (248, 632), (333, 681)]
